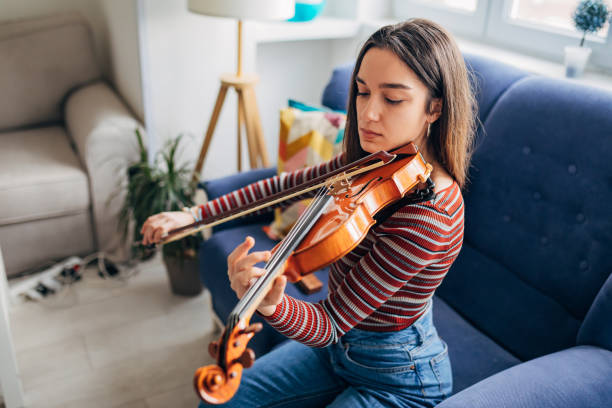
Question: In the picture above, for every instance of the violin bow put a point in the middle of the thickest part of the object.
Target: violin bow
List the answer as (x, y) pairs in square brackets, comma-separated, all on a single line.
[(345, 172)]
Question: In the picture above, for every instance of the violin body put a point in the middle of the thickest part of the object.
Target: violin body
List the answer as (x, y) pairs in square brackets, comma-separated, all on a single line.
[(337, 220), (350, 215)]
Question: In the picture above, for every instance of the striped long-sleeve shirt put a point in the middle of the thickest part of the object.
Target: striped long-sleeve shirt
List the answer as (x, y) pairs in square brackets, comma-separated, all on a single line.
[(385, 282)]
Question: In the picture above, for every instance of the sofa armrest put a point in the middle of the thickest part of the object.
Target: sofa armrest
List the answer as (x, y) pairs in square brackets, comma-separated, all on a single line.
[(102, 129), (217, 187), (575, 377)]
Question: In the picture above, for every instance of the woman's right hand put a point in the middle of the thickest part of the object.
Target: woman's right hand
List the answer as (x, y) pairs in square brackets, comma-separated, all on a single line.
[(243, 274), (156, 226)]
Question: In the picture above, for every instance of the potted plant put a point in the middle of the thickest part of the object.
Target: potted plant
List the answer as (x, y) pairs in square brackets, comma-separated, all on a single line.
[(589, 17), (161, 186)]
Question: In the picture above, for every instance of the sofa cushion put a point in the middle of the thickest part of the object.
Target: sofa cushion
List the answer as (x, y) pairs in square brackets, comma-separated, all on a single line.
[(538, 227), (335, 94), (213, 267), (306, 138), (596, 329), (40, 176), (42, 60), (474, 356), (576, 377)]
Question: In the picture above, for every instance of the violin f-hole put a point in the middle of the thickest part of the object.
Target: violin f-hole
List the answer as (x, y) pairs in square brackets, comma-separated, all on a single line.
[(364, 187)]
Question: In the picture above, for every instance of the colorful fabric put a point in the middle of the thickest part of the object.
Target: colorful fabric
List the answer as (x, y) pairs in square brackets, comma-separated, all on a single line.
[(385, 283), (306, 138), (309, 108)]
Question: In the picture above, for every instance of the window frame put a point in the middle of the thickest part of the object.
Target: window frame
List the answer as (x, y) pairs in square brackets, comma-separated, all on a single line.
[(472, 24), (491, 24)]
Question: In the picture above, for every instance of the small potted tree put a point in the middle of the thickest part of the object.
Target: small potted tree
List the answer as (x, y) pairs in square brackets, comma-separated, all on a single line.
[(161, 186), (589, 17)]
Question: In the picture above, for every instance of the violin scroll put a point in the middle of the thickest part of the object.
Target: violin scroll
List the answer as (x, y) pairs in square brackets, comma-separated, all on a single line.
[(217, 383)]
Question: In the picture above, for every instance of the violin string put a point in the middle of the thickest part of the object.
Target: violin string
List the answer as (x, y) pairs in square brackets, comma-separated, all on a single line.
[(280, 252), (264, 281), (315, 208), (301, 221)]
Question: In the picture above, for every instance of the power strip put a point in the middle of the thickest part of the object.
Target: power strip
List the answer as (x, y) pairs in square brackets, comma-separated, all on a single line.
[(48, 281)]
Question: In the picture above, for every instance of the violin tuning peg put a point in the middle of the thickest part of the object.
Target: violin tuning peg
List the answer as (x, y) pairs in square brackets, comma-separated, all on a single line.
[(213, 349), (247, 358), (253, 328)]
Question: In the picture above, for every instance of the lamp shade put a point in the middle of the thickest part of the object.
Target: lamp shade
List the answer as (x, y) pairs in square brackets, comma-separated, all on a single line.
[(245, 9)]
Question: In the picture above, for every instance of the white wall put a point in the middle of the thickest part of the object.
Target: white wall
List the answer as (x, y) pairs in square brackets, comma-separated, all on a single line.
[(297, 70), (122, 39), (187, 53)]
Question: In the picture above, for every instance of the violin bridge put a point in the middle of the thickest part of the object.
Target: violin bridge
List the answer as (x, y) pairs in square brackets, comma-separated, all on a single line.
[(340, 183)]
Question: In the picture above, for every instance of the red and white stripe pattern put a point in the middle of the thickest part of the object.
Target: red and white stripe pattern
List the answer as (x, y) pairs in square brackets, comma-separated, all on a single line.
[(385, 282), (269, 186)]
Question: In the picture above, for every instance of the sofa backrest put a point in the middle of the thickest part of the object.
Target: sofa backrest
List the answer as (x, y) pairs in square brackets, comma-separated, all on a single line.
[(42, 60), (538, 232)]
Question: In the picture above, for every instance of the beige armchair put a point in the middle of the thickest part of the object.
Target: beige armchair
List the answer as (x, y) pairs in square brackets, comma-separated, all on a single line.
[(65, 140)]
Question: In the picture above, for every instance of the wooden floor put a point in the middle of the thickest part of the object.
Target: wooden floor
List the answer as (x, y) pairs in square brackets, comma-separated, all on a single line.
[(113, 344)]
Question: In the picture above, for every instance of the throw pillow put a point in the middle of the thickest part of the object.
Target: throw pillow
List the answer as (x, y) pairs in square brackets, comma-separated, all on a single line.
[(306, 138)]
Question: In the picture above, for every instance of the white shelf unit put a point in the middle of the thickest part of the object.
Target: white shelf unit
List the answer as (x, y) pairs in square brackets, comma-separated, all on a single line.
[(318, 29)]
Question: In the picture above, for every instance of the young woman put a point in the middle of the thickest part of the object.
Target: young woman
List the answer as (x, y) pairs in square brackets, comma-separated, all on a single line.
[(371, 342)]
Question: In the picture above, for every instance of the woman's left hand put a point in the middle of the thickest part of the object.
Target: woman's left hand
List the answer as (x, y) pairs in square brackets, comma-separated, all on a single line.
[(242, 273)]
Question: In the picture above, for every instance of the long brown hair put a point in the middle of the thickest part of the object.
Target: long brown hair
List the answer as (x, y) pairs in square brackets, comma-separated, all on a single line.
[(432, 54)]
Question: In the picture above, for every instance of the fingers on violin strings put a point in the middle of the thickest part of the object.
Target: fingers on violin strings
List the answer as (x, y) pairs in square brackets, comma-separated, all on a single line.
[(251, 277), (275, 295), (253, 258), (240, 251)]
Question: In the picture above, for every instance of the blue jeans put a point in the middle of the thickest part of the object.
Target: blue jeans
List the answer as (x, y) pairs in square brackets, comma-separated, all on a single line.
[(407, 368)]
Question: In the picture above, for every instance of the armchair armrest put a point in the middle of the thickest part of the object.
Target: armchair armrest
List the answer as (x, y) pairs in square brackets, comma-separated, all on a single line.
[(575, 377), (102, 129), (217, 187)]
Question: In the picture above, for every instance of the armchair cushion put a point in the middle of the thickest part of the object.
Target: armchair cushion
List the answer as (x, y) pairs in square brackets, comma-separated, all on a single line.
[(575, 377), (40, 176), (42, 60)]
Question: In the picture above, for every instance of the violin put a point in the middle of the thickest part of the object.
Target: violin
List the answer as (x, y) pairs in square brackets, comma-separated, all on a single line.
[(336, 221)]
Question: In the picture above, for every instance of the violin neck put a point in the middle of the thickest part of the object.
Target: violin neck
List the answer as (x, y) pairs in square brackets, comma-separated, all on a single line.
[(275, 266)]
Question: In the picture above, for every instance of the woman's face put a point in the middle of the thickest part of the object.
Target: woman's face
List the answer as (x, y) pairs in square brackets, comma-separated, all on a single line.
[(391, 103)]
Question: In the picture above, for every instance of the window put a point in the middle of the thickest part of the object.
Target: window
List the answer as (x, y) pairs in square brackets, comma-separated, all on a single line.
[(465, 5), (537, 27), (547, 14), (465, 17)]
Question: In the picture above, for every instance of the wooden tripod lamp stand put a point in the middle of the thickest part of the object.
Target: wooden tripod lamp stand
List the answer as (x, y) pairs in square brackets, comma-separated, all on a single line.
[(244, 84)]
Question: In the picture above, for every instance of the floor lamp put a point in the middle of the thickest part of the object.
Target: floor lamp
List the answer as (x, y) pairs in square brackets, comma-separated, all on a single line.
[(244, 84)]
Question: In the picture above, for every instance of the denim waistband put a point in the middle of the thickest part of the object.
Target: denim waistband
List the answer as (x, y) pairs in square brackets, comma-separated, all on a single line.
[(418, 331)]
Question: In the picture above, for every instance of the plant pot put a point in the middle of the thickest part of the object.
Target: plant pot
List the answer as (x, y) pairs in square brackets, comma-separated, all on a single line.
[(183, 275), (575, 60)]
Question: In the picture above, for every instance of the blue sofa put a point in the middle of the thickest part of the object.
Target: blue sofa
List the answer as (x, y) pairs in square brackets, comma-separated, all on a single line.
[(527, 307)]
